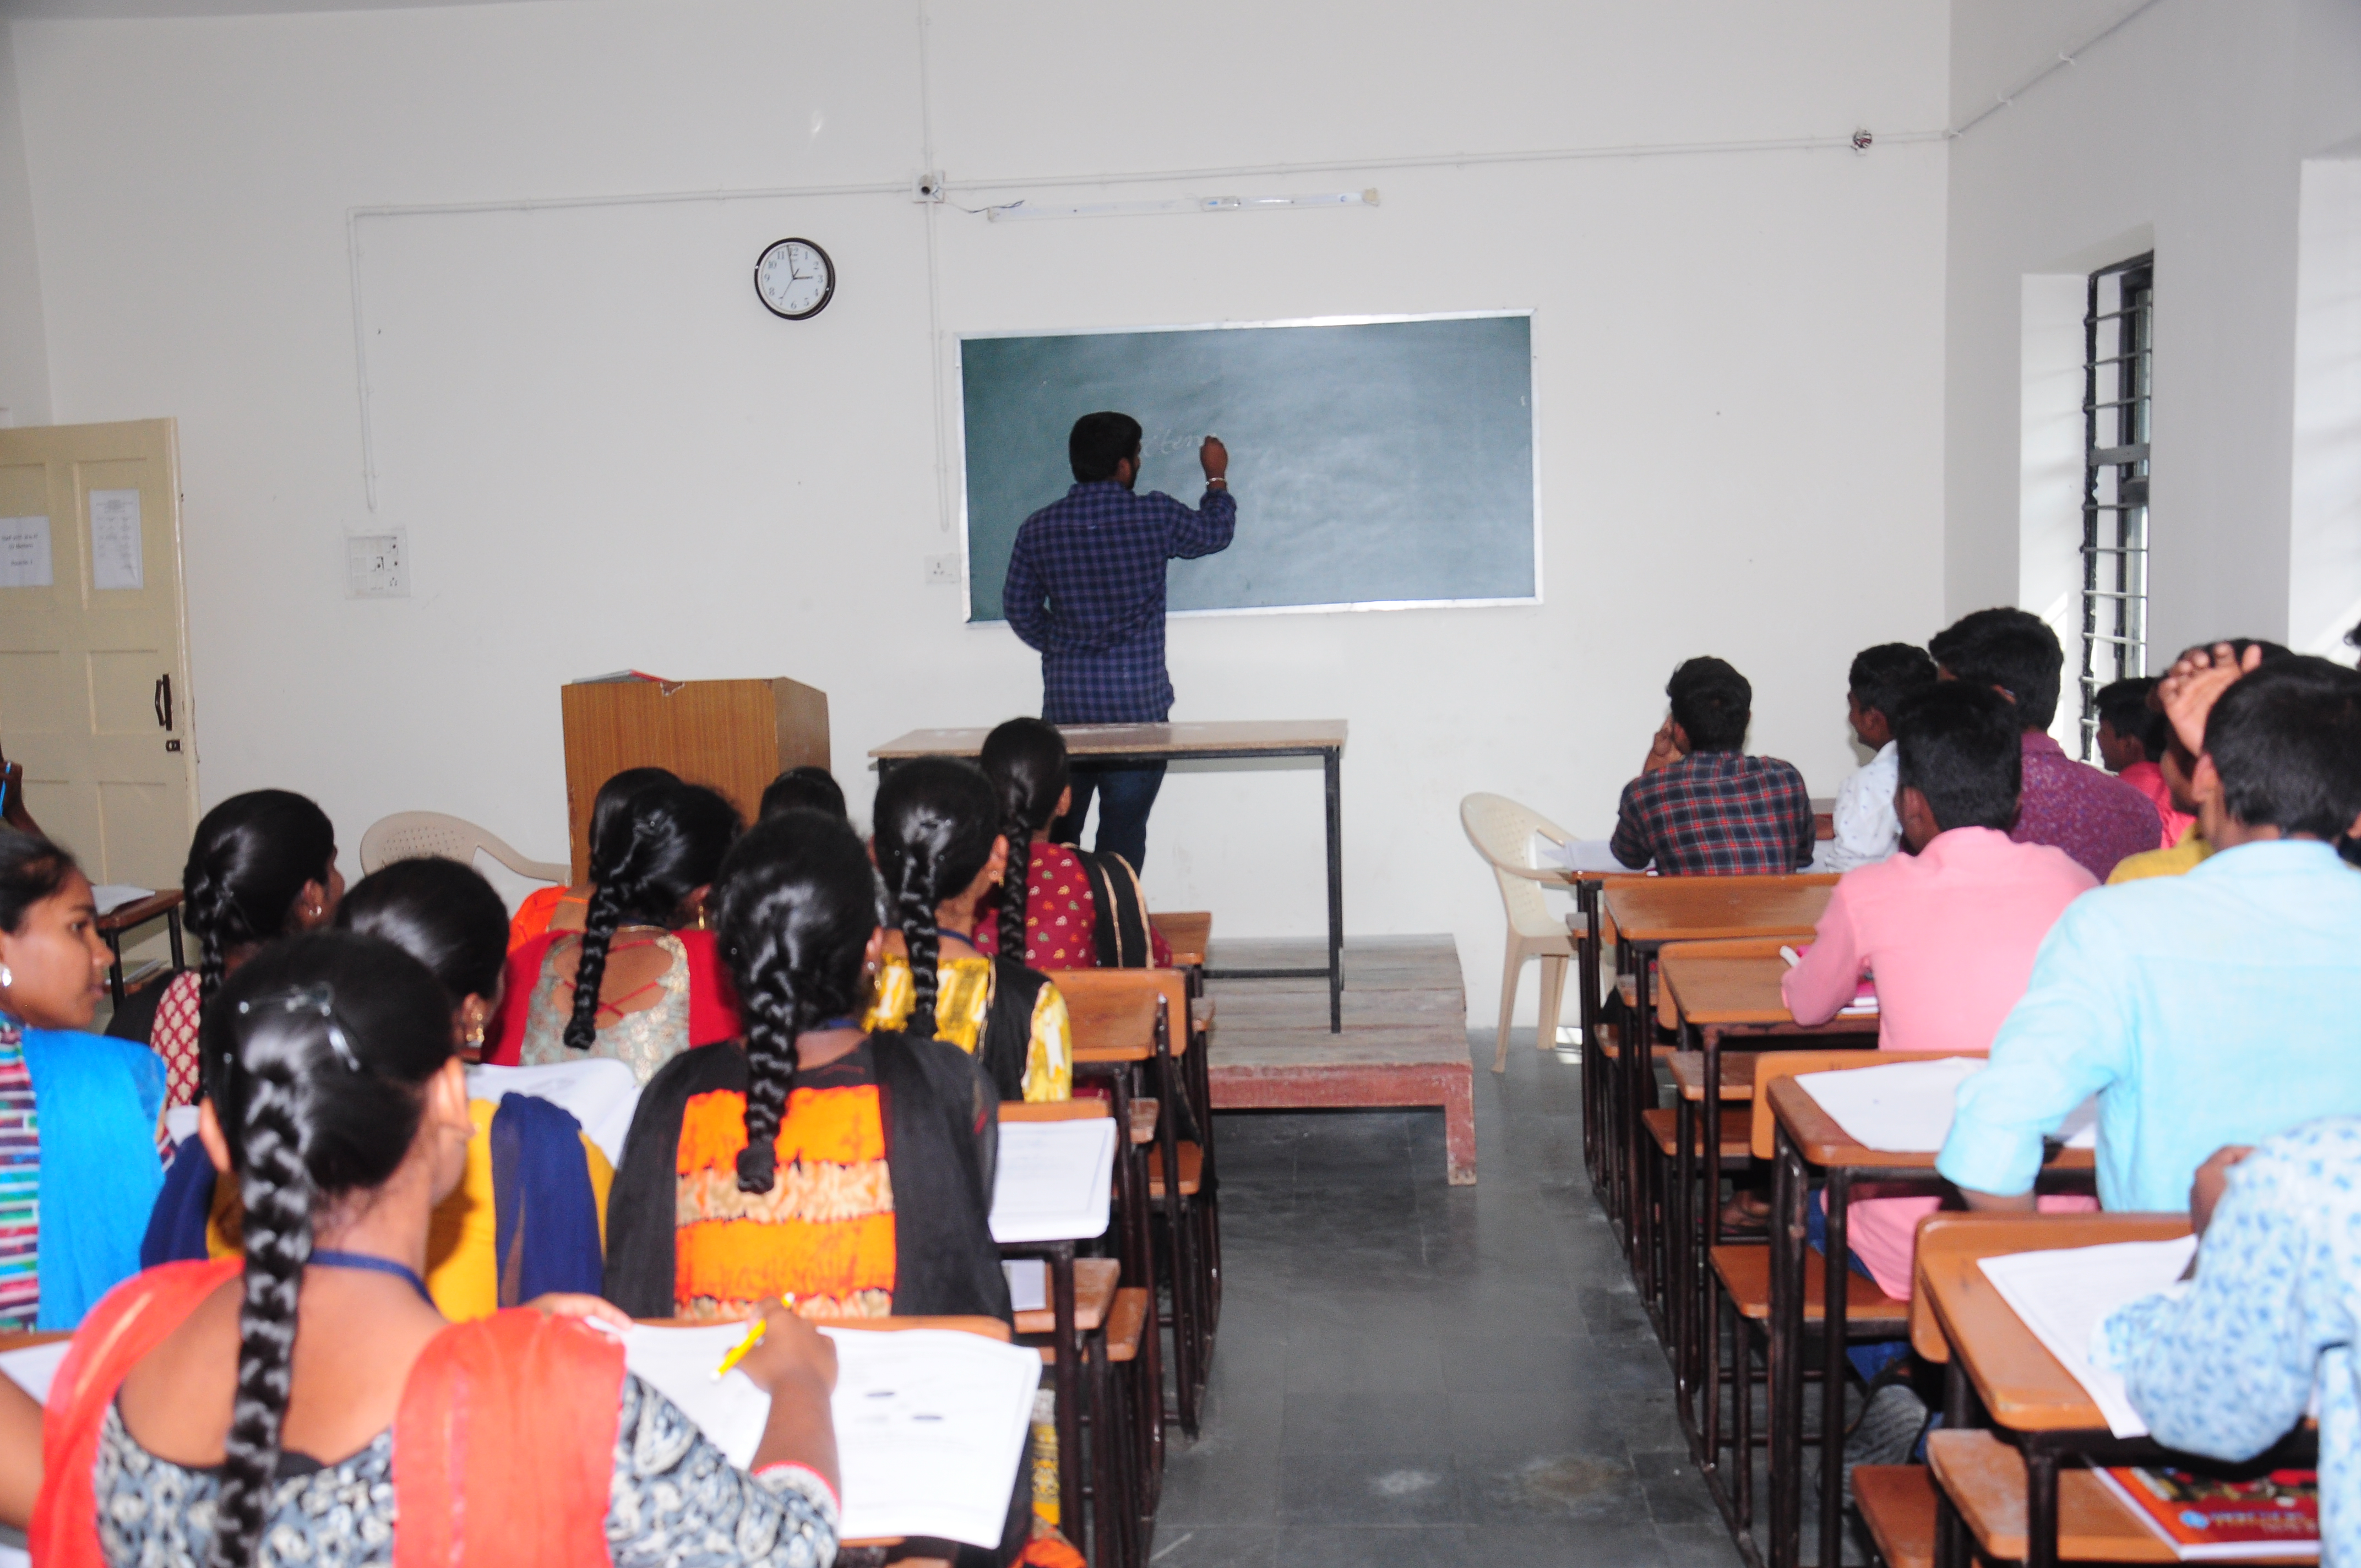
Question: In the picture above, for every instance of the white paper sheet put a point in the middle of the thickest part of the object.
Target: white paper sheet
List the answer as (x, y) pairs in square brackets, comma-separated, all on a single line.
[(929, 1423), (24, 559), (113, 895), (1055, 1180), (116, 558), (597, 1091), (1576, 855), (33, 1367), (2063, 1295), (1907, 1107), (1028, 1283)]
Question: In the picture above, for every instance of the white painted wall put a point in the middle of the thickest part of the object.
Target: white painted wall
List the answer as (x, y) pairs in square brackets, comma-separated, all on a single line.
[(606, 454), (2324, 548), (24, 348), (2189, 128)]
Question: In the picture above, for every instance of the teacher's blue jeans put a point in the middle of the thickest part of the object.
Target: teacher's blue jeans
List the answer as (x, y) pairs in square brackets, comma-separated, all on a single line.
[(1124, 796)]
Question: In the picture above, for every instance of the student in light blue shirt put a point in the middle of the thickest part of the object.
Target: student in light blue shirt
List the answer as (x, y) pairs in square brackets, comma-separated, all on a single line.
[(2224, 1366), (2219, 1007)]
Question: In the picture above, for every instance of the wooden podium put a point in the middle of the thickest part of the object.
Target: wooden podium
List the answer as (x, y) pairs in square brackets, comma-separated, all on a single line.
[(735, 736)]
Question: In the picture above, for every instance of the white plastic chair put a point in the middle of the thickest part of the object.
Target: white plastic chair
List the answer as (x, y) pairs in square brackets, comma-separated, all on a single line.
[(1502, 832), (415, 835)]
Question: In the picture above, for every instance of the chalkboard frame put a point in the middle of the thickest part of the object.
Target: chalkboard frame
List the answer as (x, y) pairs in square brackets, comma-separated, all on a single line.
[(1532, 404)]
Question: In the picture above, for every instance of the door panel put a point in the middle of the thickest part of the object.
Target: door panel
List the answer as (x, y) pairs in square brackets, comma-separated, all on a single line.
[(79, 663)]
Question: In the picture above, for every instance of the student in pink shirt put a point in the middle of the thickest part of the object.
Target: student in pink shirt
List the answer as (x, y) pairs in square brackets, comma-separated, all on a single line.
[(1948, 931)]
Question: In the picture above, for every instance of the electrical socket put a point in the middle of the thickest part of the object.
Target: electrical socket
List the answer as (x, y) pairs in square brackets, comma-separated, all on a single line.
[(942, 571), (377, 565)]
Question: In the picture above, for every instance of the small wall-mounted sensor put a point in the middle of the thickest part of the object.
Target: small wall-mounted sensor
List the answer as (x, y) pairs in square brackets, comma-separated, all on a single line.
[(1862, 139), (926, 187)]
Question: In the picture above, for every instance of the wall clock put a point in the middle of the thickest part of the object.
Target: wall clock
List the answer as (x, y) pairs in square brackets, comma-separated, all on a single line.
[(795, 279)]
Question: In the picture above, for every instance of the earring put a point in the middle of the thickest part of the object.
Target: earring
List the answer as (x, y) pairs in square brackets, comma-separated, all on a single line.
[(7, 975), (476, 1037)]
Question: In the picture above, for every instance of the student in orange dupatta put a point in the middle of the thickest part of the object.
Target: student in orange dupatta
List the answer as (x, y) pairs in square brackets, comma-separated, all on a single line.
[(311, 1394)]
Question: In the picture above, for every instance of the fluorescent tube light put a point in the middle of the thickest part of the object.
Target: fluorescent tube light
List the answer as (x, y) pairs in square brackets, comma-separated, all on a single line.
[(1027, 211)]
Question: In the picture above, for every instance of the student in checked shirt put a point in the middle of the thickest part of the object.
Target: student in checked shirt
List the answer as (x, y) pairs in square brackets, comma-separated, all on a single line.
[(1085, 588), (2207, 1009), (1702, 806)]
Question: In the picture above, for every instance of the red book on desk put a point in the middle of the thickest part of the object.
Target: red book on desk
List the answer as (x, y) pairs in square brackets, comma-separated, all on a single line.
[(2275, 1515)]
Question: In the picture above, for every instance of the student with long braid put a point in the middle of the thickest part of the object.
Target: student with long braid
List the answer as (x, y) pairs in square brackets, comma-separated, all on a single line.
[(1077, 909), (262, 865), (848, 1168), (566, 908), (941, 852), (640, 983), (306, 1402)]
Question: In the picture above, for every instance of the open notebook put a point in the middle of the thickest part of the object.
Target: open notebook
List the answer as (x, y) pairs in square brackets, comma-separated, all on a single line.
[(1054, 1180), (1907, 1107), (2064, 1295), (930, 1423)]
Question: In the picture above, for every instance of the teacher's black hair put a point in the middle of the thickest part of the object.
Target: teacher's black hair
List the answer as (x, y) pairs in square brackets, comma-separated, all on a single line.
[(250, 860), (441, 913), (1025, 760), (936, 819), (318, 1054), (665, 843), (1098, 442), (799, 901)]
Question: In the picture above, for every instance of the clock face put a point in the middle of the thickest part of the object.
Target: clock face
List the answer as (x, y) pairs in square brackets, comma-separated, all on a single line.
[(794, 279)]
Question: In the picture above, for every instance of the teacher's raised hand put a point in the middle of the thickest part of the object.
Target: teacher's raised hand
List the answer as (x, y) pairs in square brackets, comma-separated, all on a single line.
[(1215, 458)]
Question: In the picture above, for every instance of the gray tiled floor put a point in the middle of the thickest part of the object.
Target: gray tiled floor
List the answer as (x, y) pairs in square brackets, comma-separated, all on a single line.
[(1411, 1373)]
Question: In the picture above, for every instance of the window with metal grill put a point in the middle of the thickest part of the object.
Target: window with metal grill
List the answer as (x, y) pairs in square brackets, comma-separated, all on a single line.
[(2115, 374)]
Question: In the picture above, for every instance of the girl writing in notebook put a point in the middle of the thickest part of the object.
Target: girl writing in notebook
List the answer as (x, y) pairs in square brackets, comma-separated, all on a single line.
[(847, 1168), (307, 1402), (941, 852)]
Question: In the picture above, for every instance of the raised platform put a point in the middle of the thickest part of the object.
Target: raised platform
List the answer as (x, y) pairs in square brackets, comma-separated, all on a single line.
[(1404, 1041)]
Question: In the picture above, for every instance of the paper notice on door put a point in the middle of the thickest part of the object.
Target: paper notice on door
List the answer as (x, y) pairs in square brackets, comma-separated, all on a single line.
[(24, 553), (116, 557)]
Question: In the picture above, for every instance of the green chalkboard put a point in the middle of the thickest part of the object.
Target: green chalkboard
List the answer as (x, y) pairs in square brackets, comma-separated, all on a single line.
[(1381, 462)]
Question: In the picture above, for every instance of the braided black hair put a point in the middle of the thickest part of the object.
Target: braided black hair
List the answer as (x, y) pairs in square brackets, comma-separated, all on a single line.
[(806, 787), (617, 792), (442, 913), (936, 819), (248, 863), (798, 900), (1025, 760), (318, 1055), (665, 842)]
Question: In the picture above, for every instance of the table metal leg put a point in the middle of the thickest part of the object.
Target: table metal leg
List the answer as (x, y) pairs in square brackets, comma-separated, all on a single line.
[(173, 924), (1639, 1084), (1332, 764), (1789, 1190), (1681, 1218), (1705, 1223), (115, 970), (1950, 1530), (1836, 1275), (2040, 1506)]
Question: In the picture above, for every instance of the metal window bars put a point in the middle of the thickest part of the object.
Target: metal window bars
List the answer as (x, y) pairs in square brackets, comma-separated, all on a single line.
[(2116, 373)]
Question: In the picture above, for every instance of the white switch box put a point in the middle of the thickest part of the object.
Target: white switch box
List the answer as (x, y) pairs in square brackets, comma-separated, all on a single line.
[(942, 570), (377, 565)]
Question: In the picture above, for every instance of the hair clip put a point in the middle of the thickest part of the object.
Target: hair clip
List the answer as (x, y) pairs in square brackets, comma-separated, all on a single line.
[(319, 1000)]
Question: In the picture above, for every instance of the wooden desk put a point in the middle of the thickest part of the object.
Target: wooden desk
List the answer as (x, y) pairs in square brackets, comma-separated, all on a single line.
[(1648, 913), (1115, 743), (1997, 1365), (1716, 990), (1806, 1136), (123, 917), (1602, 1158)]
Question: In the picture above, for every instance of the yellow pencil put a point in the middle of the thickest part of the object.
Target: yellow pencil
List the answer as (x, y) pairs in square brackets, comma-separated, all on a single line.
[(745, 1348)]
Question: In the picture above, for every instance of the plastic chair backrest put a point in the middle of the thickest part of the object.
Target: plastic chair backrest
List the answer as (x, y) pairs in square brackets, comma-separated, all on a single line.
[(1773, 1066), (414, 834), (1955, 1236), (1502, 832)]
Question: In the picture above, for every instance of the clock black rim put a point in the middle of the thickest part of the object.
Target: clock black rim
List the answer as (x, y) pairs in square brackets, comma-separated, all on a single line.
[(827, 264)]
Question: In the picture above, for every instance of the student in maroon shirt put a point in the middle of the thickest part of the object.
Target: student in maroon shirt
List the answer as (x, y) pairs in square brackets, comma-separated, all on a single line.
[(2095, 818)]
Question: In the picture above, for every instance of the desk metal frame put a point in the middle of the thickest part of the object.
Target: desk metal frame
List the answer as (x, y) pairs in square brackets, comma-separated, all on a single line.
[(1332, 764)]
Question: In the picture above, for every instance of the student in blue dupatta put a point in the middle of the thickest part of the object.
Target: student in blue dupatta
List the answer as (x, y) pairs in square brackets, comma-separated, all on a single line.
[(78, 1166)]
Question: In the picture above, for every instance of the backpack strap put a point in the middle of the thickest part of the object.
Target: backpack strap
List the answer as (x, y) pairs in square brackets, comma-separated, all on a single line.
[(1121, 930)]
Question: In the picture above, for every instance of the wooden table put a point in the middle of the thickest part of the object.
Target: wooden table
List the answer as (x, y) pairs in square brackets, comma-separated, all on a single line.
[(1117, 744), (1997, 1364), (1806, 1137), (1647, 914), (1717, 991), (138, 912)]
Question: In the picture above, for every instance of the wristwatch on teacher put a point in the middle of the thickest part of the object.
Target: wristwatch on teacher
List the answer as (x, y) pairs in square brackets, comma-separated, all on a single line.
[(1221, 479)]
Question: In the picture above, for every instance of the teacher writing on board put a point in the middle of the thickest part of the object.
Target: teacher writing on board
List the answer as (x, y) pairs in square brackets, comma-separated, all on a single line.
[(1086, 588)]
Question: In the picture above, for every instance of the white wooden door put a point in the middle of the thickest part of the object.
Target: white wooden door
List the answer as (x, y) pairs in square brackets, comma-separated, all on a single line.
[(94, 699)]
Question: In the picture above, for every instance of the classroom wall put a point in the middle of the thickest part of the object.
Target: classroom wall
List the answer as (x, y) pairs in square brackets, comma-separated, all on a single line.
[(605, 454), (2189, 129), (24, 348)]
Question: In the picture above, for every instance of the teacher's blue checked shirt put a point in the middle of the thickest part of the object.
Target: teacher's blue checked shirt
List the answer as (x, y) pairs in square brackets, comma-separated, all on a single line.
[(2224, 1366), (1085, 587), (2219, 1007)]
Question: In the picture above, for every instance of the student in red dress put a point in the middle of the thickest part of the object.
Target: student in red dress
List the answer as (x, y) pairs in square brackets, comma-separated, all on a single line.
[(1077, 910)]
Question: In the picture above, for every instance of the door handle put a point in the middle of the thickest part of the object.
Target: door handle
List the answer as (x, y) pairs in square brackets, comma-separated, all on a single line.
[(164, 700)]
